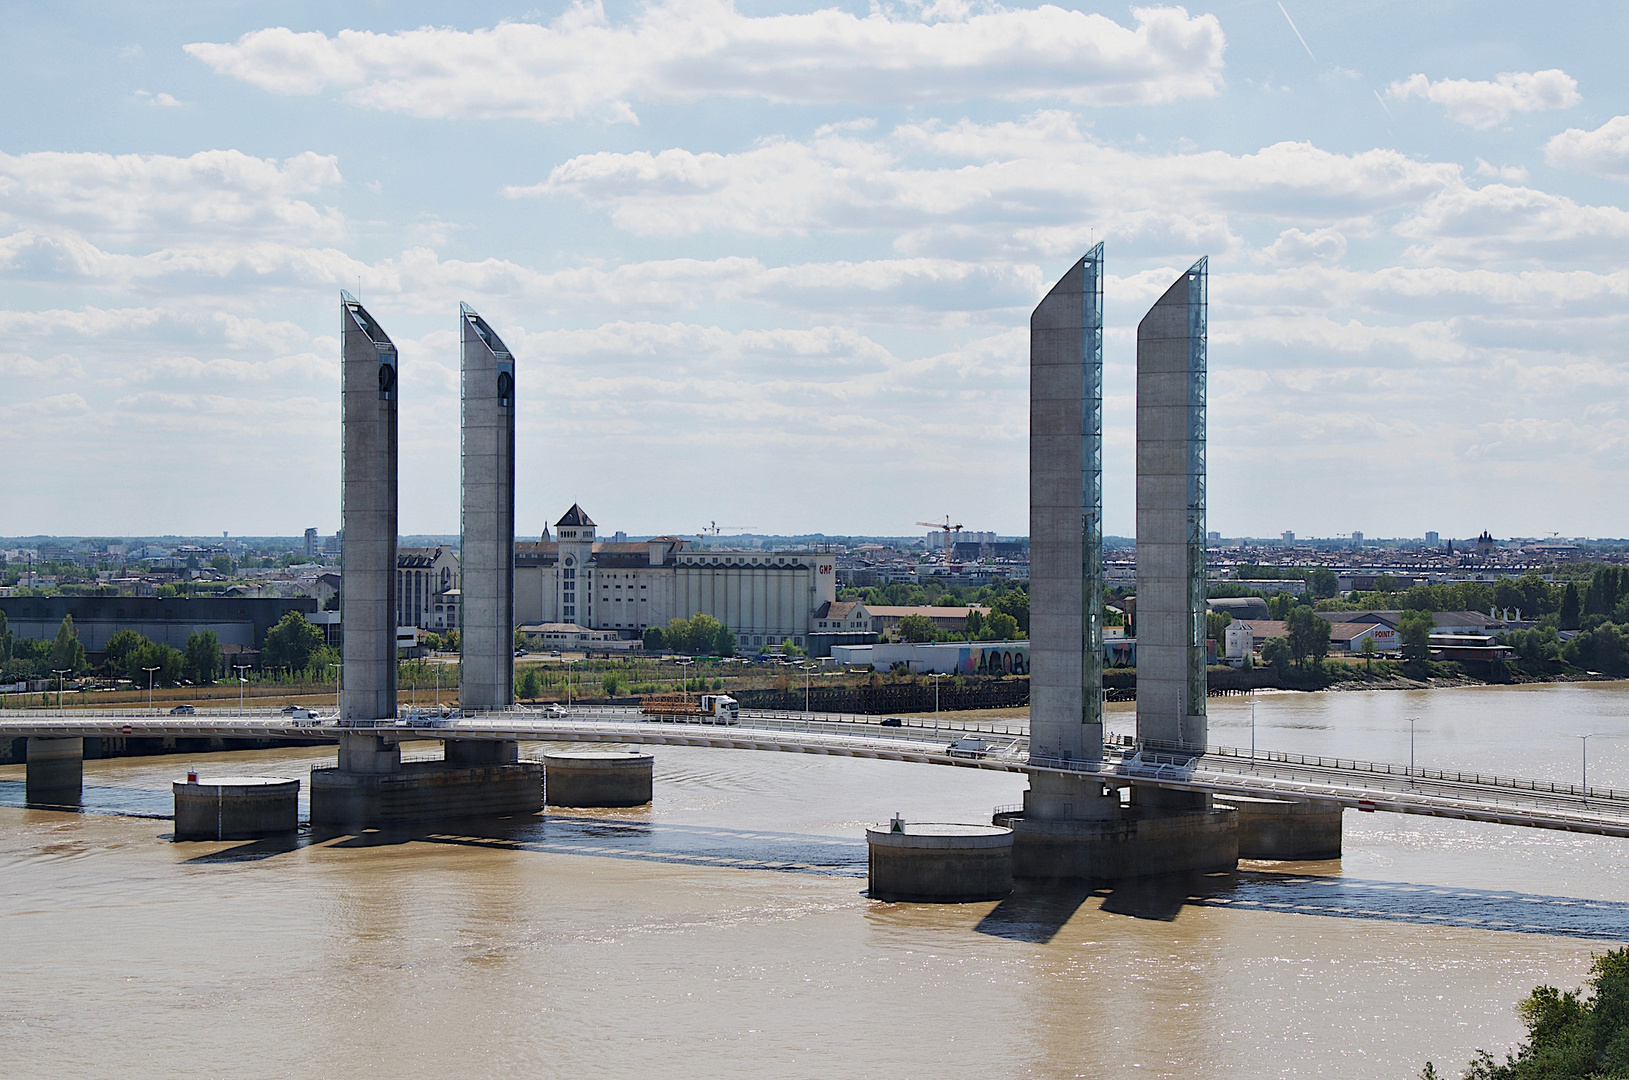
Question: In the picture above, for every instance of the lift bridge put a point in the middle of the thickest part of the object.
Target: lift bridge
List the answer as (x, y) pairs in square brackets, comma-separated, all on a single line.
[(1354, 784)]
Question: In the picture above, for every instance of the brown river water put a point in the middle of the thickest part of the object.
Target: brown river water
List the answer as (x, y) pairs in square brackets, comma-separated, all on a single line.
[(725, 931)]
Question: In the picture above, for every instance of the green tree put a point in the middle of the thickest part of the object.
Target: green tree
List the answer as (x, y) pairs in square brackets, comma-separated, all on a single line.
[(975, 623), (67, 653), (1323, 583), (1604, 648), (1415, 628), (1368, 653), (223, 563), (1275, 652), (1571, 609), (527, 684), (918, 628), (611, 683), (1308, 634), (1215, 623), (5, 640), (1279, 605), (116, 654), (1570, 1035), (202, 662), (1014, 602), (1002, 627), (150, 654), (291, 644), (655, 640)]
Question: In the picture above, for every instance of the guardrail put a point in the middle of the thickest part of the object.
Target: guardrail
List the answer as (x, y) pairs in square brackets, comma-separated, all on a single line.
[(1177, 755)]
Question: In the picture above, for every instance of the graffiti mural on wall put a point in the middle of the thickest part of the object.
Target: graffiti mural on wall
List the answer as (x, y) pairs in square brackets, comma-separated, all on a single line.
[(1005, 659)]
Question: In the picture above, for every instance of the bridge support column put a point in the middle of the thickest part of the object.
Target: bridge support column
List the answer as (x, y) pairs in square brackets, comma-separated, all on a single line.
[(1290, 830), (481, 752), (55, 772), (598, 778), (236, 808), (373, 788), (937, 863)]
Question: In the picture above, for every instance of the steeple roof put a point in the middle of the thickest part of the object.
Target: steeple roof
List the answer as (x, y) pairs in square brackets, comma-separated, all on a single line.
[(574, 519)]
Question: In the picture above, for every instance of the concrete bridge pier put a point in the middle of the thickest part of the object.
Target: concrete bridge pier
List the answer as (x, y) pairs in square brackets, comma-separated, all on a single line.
[(55, 772), (373, 788), (1287, 830), (1094, 837), (599, 778)]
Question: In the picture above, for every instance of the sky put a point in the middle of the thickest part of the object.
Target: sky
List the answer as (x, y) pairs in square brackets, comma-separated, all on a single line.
[(770, 266)]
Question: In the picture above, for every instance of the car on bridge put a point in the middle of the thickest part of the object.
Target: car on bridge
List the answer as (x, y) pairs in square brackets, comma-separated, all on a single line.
[(183, 710), (968, 747), (555, 709)]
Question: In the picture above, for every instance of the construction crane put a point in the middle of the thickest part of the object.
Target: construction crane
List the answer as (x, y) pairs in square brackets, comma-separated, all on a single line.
[(948, 528), (713, 529)]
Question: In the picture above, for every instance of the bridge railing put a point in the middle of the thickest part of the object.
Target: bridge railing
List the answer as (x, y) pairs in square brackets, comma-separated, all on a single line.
[(1174, 755)]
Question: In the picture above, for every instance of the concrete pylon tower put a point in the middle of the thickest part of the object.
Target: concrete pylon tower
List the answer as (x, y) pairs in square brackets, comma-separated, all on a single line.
[(1066, 534), (487, 558), (368, 512), (1171, 366)]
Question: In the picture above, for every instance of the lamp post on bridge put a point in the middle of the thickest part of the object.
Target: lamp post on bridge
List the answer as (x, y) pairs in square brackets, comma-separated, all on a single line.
[(1584, 743), (241, 668), (936, 676), (684, 678), (59, 673), (1412, 720), (149, 671), (568, 683)]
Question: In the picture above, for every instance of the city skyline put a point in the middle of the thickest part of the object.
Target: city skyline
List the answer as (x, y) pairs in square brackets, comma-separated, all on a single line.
[(742, 293)]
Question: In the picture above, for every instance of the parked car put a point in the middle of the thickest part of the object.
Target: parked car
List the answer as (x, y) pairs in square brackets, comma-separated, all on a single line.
[(183, 710)]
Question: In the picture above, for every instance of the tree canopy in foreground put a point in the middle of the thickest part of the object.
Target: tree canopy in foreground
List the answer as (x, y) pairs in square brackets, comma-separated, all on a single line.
[(1577, 1035)]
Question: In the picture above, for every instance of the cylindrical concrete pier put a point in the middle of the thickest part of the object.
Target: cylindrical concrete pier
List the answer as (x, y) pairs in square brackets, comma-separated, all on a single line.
[(55, 773), (590, 778), (1289, 830), (939, 863), (235, 807)]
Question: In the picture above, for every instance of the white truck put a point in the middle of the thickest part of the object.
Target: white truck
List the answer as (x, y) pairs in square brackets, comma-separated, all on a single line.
[(707, 709)]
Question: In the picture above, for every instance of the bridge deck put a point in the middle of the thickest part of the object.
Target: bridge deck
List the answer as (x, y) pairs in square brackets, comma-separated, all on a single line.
[(1221, 770)]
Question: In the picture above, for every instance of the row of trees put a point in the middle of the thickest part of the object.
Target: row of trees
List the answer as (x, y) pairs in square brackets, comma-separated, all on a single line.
[(998, 626), (293, 645), (143, 662), (699, 635)]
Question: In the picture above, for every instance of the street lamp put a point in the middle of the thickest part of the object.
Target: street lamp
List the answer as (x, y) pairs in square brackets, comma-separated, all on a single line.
[(149, 671), (241, 668), (568, 682), (684, 683), (935, 676), (1584, 743), (1252, 726), (59, 673), (1411, 722)]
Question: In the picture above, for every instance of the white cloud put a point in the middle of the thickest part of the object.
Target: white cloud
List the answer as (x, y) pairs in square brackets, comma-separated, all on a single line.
[(1006, 179), (161, 99), (1489, 104), (1295, 246), (153, 195), (1604, 151), (686, 50), (1503, 222), (1516, 174)]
